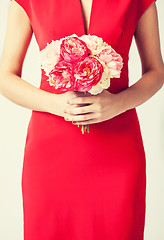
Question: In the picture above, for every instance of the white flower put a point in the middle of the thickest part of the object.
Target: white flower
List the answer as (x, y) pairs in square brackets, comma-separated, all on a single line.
[(94, 43), (49, 56)]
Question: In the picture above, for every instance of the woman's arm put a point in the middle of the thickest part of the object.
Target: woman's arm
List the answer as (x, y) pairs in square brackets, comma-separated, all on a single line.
[(148, 44), (107, 105), (18, 36), (12, 86)]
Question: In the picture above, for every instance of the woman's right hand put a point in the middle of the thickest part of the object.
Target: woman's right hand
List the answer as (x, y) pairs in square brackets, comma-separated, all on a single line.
[(59, 102)]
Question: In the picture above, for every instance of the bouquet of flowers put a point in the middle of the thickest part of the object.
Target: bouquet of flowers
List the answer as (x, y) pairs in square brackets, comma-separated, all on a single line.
[(83, 64)]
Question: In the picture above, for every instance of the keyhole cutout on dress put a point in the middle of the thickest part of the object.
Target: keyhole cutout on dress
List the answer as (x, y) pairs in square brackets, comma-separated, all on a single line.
[(86, 8)]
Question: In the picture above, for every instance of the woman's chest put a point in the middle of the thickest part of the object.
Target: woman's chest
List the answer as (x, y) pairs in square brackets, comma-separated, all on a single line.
[(53, 19), (86, 8)]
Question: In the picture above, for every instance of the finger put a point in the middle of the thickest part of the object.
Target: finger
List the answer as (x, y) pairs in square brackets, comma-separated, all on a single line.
[(80, 118), (91, 121), (81, 100), (80, 110)]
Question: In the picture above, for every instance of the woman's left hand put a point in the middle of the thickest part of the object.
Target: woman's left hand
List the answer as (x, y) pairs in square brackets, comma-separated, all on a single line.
[(88, 109)]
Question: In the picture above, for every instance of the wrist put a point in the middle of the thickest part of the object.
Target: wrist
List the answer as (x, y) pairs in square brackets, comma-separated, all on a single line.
[(121, 101), (49, 103)]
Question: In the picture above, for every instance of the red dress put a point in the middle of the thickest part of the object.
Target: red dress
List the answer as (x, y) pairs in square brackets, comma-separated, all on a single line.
[(91, 186)]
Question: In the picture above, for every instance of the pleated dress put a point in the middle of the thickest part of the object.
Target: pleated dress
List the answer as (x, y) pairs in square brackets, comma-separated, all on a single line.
[(88, 186)]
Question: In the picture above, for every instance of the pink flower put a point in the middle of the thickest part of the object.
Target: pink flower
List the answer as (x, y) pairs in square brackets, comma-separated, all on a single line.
[(73, 49), (61, 77), (87, 73), (112, 60)]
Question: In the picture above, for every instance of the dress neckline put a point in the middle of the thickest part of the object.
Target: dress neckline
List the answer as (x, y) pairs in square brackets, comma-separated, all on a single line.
[(90, 17)]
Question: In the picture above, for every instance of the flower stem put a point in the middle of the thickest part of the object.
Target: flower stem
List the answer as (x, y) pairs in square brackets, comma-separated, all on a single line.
[(88, 128), (85, 128), (82, 129)]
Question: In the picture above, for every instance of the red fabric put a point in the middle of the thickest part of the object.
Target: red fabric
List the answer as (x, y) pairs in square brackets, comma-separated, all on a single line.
[(91, 186)]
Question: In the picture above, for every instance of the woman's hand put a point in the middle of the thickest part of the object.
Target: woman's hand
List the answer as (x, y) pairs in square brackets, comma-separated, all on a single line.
[(87, 109), (57, 103)]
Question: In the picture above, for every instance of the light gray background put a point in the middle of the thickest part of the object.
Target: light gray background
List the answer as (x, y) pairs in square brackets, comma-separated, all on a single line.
[(13, 125)]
